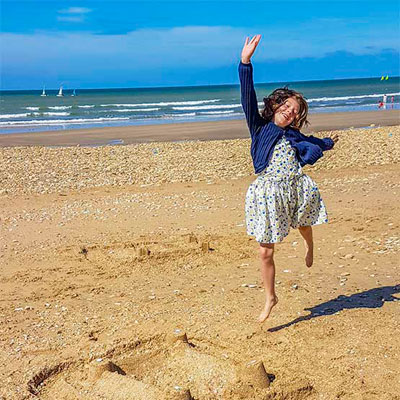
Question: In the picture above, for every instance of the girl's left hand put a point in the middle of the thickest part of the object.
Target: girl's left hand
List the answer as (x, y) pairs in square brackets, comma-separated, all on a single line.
[(335, 137)]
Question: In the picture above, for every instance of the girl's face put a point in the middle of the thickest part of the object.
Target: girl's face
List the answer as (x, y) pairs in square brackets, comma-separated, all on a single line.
[(286, 113)]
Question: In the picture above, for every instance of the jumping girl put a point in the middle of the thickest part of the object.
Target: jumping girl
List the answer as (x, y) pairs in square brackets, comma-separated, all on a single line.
[(282, 196)]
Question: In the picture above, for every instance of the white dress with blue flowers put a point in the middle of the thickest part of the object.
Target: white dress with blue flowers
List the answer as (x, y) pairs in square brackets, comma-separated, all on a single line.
[(281, 197)]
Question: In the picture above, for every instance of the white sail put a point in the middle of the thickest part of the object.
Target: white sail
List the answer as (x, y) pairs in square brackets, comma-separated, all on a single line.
[(60, 93), (43, 92), (73, 93)]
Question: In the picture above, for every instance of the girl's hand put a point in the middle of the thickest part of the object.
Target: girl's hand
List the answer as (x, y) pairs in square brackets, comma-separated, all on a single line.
[(335, 137), (249, 48)]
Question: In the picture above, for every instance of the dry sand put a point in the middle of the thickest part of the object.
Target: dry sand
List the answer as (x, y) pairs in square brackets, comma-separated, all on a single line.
[(110, 255)]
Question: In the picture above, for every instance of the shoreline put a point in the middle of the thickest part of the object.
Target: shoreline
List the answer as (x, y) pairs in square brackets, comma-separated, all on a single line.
[(189, 131)]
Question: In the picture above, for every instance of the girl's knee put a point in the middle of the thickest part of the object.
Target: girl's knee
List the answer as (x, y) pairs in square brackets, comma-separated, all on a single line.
[(266, 251)]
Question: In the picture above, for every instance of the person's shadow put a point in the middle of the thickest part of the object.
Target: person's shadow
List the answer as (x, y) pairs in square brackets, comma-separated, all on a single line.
[(373, 298)]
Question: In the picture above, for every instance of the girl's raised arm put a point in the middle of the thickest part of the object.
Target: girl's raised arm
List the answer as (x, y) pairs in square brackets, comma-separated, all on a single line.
[(248, 94)]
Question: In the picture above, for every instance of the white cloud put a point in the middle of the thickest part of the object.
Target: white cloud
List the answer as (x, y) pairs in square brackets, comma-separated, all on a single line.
[(197, 46), (70, 18), (73, 14), (75, 10)]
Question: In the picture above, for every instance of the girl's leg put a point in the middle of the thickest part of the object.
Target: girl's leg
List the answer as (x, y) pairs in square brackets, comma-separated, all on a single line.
[(306, 232), (268, 278)]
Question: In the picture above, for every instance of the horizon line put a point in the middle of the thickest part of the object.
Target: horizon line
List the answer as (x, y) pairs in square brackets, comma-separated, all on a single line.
[(188, 86)]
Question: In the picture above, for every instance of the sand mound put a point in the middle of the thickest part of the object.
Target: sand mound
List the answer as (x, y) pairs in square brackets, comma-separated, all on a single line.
[(163, 367)]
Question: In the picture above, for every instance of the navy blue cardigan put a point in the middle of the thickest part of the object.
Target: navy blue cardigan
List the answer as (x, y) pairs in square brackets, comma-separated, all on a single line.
[(265, 135)]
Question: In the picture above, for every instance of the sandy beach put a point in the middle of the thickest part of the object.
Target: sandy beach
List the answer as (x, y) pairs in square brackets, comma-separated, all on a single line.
[(220, 130), (127, 272)]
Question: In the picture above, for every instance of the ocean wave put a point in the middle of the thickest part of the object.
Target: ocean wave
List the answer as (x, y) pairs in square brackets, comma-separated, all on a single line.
[(87, 106), (32, 108), (217, 112), (61, 121), (53, 114), (130, 110), (59, 107), (193, 114), (209, 107), (163, 103), (344, 107), (4, 116), (364, 96)]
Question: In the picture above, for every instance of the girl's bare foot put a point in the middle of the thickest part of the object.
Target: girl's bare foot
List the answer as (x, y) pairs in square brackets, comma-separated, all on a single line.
[(309, 258), (306, 232), (269, 304)]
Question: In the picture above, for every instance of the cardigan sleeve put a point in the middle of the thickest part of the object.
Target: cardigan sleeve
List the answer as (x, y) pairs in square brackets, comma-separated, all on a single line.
[(308, 153), (324, 144), (249, 99)]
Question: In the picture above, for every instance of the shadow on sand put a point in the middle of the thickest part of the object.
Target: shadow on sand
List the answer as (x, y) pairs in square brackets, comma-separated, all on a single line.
[(373, 298)]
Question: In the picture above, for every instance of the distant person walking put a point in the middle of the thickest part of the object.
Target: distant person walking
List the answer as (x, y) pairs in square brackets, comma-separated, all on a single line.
[(392, 102), (384, 101)]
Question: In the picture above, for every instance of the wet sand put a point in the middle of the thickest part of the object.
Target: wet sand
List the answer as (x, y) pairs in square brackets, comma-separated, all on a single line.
[(190, 131)]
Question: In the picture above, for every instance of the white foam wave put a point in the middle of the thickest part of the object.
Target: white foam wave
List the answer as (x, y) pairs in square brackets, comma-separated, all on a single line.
[(32, 108), (224, 115), (364, 96), (4, 116), (132, 110), (59, 107), (179, 115), (217, 112), (61, 114), (87, 106), (61, 121), (163, 103), (209, 107)]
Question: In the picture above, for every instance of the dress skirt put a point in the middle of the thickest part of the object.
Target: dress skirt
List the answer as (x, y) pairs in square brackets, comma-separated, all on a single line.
[(282, 197)]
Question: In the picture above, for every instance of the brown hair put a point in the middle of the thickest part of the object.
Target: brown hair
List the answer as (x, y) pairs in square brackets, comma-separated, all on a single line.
[(277, 98)]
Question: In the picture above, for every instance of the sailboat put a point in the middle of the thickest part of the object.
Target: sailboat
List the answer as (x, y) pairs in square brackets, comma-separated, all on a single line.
[(44, 92), (73, 93), (60, 93)]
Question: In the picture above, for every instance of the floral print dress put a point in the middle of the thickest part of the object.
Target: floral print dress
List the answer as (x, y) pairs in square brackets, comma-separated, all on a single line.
[(281, 197)]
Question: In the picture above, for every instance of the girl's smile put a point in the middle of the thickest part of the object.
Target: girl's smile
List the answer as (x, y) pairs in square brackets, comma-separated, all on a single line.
[(286, 113)]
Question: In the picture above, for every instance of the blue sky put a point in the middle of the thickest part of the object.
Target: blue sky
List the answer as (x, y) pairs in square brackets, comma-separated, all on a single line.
[(96, 44)]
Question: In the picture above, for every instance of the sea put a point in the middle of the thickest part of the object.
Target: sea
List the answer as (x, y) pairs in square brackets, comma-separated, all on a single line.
[(28, 111)]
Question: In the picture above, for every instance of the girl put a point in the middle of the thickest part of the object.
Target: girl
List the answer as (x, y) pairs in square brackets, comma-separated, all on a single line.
[(282, 196)]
